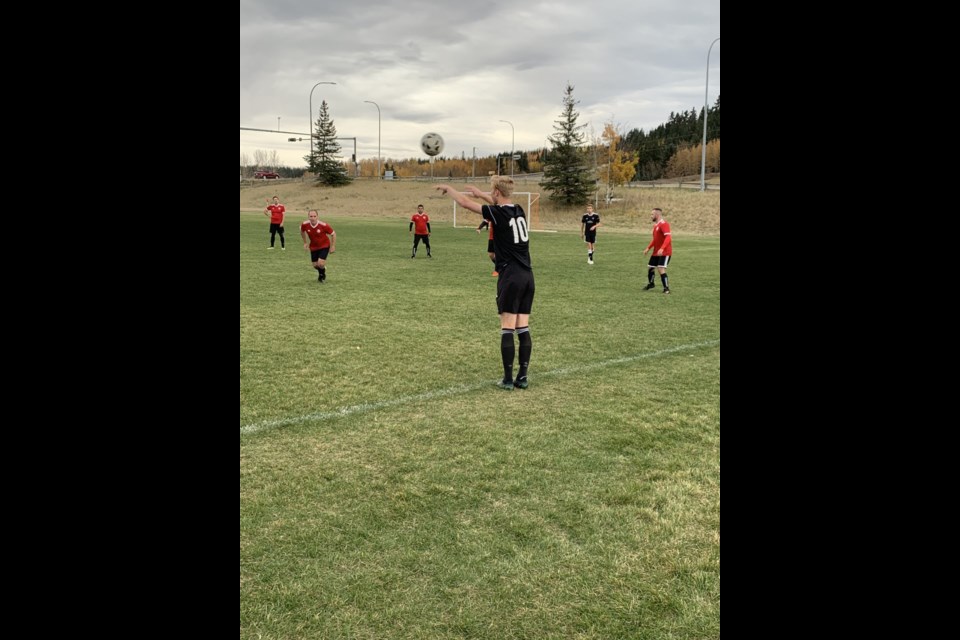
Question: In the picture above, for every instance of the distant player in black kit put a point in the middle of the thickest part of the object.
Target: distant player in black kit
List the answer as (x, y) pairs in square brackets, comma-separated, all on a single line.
[(515, 286), (588, 230), (491, 250)]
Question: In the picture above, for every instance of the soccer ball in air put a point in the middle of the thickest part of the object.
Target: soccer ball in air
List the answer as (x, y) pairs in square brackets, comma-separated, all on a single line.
[(431, 143)]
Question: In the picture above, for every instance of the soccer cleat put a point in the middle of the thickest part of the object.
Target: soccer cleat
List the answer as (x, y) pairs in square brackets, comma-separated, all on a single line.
[(521, 383), (319, 277), (495, 274), (506, 385), (649, 286), (429, 255), (412, 257), (269, 247), (589, 261), (667, 290), (283, 248)]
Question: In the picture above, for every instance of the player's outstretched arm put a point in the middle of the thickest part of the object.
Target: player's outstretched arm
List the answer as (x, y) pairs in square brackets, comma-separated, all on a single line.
[(476, 193), (460, 198)]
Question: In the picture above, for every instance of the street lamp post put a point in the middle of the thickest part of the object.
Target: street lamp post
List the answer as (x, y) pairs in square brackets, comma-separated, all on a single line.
[(378, 137), (703, 151), (311, 115), (512, 132)]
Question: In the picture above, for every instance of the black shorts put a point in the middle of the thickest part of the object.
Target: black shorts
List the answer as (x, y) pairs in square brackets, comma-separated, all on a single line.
[(276, 226), (490, 247), (659, 261), (319, 254), (515, 289), (590, 236)]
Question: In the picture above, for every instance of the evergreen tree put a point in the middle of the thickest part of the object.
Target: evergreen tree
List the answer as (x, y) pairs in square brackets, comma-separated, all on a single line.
[(567, 175), (325, 160), (682, 130), (713, 122)]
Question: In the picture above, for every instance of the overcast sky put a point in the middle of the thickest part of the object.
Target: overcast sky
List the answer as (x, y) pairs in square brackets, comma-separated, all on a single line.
[(458, 68)]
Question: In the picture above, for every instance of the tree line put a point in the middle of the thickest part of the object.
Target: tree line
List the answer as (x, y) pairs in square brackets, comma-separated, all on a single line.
[(573, 166)]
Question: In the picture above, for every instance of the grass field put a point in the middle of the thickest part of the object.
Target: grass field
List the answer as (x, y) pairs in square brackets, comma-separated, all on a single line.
[(389, 490)]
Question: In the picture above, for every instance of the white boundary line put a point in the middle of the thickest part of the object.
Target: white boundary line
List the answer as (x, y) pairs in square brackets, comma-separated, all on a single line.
[(366, 407)]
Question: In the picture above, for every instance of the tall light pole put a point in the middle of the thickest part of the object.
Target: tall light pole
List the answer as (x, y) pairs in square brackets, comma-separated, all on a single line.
[(378, 136), (278, 124), (512, 132), (311, 115), (703, 151)]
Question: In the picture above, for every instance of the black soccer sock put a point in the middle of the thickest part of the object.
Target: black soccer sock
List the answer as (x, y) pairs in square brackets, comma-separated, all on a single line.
[(650, 275), (507, 353), (283, 243), (526, 345), (273, 236), (590, 253), (665, 281), (319, 272)]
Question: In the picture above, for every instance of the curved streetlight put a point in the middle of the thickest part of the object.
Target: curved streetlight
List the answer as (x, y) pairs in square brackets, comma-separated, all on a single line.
[(703, 151), (378, 136), (311, 115), (512, 132)]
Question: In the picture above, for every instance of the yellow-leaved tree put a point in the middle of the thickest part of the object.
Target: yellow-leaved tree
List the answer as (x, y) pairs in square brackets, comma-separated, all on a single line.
[(621, 165)]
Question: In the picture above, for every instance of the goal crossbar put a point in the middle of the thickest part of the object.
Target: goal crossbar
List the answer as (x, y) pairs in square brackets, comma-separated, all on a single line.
[(531, 209)]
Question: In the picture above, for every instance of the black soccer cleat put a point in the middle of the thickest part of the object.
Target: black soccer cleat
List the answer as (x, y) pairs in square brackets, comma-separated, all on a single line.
[(667, 290), (506, 385), (649, 286), (521, 383)]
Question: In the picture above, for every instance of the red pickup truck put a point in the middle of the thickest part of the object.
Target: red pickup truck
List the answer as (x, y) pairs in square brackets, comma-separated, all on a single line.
[(266, 175)]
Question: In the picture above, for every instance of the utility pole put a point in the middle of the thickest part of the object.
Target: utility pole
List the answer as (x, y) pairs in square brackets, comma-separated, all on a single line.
[(512, 132), (703, 152)]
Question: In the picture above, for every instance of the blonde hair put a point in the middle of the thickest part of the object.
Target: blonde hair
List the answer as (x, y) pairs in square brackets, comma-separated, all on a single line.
[(503, 184)]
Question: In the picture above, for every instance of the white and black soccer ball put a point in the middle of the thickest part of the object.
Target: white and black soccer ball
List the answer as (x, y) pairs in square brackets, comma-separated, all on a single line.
[(431, 143)]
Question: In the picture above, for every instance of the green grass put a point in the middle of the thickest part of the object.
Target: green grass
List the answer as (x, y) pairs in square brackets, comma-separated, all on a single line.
[(389, 490)]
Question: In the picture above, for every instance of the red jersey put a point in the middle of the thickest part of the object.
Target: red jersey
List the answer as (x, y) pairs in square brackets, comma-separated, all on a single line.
[(318, 234), (486, 223), (276, 213), (420, 221), (661, 239)]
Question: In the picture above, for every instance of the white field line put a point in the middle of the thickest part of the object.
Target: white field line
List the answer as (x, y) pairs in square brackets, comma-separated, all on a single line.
[(457, 390)]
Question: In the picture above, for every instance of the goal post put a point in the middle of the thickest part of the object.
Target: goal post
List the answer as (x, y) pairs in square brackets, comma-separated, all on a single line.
[(527, 199)]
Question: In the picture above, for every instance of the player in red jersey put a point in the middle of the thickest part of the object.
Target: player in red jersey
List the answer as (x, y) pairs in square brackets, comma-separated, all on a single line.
[(276, 211), (422, 231), (662, 246), (319, 239), (491, 251)]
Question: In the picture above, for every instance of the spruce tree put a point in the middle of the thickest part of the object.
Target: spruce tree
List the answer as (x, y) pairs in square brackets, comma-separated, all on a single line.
[(325, 161), (567, 175)]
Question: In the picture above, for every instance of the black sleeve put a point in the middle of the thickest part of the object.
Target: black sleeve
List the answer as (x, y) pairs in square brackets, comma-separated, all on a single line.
[(428, 228), (410, 228)]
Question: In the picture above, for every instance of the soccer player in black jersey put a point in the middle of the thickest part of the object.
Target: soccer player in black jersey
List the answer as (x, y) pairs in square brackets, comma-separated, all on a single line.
[(588, 230), (515, 286)]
